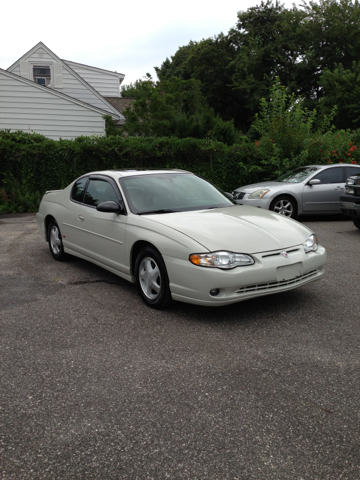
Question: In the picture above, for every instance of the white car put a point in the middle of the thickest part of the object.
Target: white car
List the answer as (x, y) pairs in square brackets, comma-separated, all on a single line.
[(178, 237)]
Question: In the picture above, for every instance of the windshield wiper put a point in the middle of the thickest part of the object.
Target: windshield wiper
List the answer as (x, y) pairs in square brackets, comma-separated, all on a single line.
[(163, 210), (221, 206)]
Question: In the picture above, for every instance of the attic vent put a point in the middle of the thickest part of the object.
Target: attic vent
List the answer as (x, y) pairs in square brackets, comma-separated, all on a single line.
[(42, 74)]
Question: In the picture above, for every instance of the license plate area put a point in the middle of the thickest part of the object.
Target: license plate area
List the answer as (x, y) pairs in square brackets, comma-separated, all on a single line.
[(289, 271)]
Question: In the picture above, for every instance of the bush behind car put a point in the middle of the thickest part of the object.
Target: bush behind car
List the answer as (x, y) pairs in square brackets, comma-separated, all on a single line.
[(32, 163)]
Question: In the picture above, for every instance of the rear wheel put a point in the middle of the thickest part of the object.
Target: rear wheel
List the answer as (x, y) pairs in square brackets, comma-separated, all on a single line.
[(284, 206), (152, 279), (55, 242), (356, 222)]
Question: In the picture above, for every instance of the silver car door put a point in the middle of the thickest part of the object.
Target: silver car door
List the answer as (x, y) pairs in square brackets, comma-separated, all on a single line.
[(324, 196)]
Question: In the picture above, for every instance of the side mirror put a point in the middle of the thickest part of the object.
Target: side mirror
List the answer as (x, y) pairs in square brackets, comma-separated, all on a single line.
[(109, 207), (229, 195), (315, 181)]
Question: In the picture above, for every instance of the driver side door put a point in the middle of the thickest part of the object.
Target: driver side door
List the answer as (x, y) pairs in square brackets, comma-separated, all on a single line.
[(325, 196), (99, 236)]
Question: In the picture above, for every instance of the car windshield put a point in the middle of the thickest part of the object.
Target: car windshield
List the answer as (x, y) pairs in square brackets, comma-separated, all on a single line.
[(298, 175), (171, 192)]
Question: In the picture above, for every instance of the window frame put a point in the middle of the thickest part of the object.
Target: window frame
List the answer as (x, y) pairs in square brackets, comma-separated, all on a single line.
[(110, 180), (41, 64), (325, 170)]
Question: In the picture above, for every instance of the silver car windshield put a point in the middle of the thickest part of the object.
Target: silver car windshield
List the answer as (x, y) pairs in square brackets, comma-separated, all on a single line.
[(298, 175), (171, 192)]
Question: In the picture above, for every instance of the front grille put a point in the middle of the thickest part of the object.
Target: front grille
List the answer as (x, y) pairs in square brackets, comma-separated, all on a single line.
[(274, 285), (279, 253)]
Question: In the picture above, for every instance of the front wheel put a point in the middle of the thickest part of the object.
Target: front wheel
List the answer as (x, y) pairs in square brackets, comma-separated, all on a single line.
[(151, 279), (55, 242), (356, 222), (284, 206)]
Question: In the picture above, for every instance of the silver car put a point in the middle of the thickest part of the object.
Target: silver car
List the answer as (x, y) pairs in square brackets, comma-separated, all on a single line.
[(304, 191)]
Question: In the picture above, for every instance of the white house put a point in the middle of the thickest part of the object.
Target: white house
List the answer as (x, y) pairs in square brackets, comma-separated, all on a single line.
[(59, 99)]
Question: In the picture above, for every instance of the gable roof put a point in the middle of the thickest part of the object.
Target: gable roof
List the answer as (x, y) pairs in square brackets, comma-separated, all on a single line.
[(56, 93), (28, 106), (95, 69), (107, 105)]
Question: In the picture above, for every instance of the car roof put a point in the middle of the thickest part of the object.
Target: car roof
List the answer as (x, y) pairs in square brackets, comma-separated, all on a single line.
[(329, 165), (131, 172)]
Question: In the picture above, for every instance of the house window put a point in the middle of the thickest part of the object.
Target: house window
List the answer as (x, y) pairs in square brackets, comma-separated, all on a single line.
[(42, 74)]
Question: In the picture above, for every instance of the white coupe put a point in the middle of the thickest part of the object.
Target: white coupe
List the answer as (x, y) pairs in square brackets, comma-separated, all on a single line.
[(178, 237)]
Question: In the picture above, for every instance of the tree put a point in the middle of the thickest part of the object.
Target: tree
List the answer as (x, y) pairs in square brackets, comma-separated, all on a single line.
[(331, 35), (177, 108), (266, 39), (209, 62), (284, 128), (128, 91), (341, 87)]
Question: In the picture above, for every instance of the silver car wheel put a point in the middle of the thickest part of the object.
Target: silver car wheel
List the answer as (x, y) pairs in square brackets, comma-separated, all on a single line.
[(55, 240), (284, 207), (150, 278)]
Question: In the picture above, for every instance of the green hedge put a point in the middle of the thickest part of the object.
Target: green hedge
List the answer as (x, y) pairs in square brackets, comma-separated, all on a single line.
[(30, 164), (42, 164)]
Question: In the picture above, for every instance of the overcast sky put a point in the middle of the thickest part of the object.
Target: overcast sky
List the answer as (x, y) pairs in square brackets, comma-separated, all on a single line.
[(131, 37)]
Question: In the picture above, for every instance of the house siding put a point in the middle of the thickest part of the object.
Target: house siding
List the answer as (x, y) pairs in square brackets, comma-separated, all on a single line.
[(63, 79), (106, 83), (30, 108)]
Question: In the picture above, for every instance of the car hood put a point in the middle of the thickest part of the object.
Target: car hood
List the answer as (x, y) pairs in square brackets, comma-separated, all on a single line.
[(256, 186), (237, 229)]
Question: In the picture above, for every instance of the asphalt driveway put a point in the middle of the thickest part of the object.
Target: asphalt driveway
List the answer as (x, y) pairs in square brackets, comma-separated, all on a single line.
[(95, 385)]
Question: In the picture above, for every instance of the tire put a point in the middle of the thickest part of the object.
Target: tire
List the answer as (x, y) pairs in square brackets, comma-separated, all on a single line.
[(55, 242), (284, 206), (152, 279), (356, 222)]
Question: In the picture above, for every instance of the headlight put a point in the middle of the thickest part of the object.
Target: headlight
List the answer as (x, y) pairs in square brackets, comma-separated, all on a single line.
[(350, 181), (259, 193), (311, 244), (225, 260)]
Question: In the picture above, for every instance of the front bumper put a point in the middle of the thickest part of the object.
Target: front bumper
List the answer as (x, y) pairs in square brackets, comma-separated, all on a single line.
[(256, 202), (349, 207), (271, 273)]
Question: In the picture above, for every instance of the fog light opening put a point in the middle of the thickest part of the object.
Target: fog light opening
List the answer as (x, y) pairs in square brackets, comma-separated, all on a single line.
[(214, 292)]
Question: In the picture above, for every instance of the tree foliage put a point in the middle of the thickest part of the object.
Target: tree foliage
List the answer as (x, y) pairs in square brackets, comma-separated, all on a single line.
[(341, 87), (208, 61), (297, 45), (176, 108)]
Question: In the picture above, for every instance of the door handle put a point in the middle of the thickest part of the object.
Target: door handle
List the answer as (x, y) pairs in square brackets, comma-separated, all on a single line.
[(81, 218)]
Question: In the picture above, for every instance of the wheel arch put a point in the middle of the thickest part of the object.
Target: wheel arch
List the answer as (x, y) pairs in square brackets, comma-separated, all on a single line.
[(48, 219), (136, 249)]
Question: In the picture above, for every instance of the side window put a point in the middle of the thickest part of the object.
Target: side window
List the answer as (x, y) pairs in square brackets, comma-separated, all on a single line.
[(351, 171), (330, 175), (77, 192), (99, 191)]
